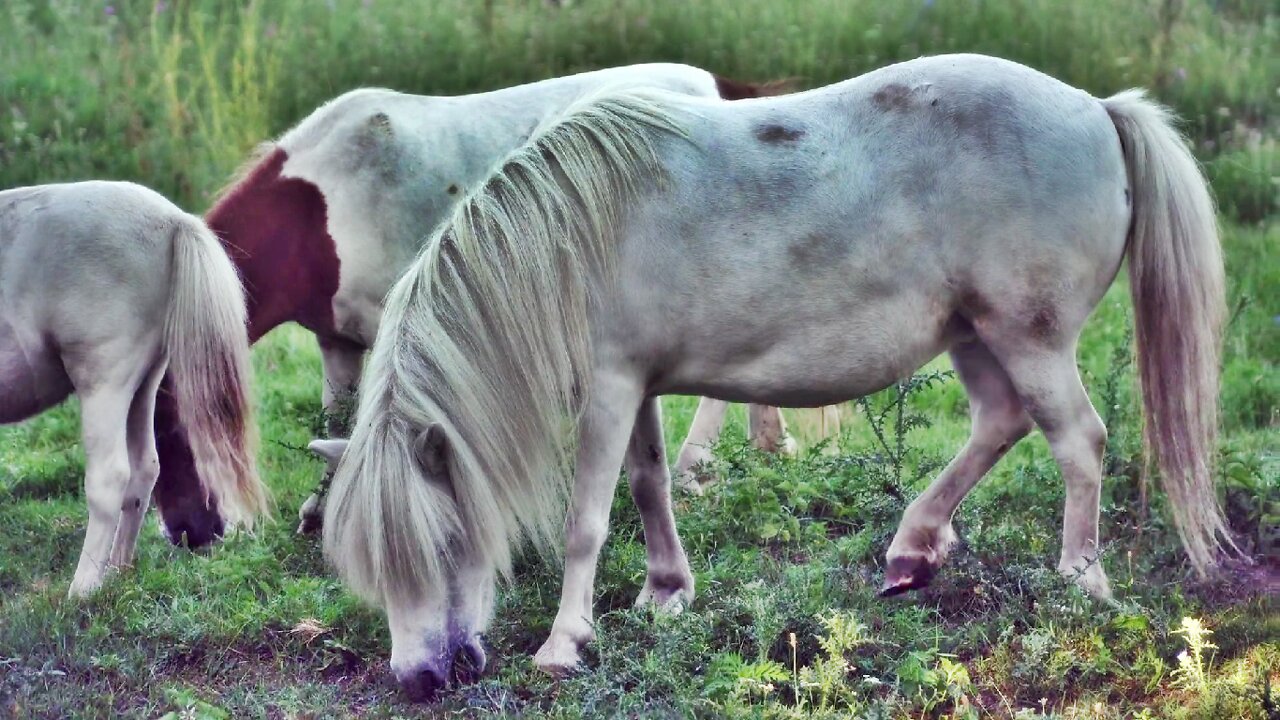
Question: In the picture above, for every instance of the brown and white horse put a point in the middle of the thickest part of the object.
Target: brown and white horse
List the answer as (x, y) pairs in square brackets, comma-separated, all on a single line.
[(797, 251), (323, 221), (104, 288)]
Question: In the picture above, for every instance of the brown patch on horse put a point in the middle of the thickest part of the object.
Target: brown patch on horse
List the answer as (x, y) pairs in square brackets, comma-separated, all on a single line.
[(737, 90), (276, 231), (774, 134)]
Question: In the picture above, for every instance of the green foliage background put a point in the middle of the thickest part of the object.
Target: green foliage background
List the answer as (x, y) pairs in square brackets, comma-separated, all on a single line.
[(786, 552)]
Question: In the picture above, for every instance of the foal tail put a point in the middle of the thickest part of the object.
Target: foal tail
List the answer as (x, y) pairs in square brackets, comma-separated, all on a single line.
[(1176, 277), (209, 367)]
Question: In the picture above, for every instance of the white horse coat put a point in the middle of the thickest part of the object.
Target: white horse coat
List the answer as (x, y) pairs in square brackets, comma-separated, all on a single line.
[(796, 251), (103, 287), (333, 212)]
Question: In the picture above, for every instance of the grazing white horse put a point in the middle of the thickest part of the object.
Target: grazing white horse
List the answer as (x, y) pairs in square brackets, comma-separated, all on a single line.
[(325, 219), (797, 251), (105, 287)]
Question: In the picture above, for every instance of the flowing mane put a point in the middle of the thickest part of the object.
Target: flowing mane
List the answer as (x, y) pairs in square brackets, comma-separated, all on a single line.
[(485, 340)]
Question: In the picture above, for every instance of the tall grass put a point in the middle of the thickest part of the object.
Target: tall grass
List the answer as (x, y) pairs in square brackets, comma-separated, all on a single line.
[(172, 93)]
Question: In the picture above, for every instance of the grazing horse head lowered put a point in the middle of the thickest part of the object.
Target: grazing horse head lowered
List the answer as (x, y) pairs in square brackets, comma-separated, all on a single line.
[(321, 222), (796, 251)]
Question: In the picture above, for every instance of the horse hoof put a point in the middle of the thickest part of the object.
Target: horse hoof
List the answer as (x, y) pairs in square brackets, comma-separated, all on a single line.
[(904, 574)]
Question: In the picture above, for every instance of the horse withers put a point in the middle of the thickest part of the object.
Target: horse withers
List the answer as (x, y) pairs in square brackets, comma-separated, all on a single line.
[(322, 221), (795, 251), (104, 288)]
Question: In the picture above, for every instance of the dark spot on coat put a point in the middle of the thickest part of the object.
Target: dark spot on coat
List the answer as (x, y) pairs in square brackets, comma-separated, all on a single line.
[(654, 455), (973, 304), (453, 189), (817, 249), (1127, 199), (894, 97), (774, 134), (1044, 321)]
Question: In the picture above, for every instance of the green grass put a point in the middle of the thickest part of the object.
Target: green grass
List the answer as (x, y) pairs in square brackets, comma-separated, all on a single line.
[(786, 552)]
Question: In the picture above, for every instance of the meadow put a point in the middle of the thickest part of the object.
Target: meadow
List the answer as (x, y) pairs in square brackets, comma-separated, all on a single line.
[(786, 551)]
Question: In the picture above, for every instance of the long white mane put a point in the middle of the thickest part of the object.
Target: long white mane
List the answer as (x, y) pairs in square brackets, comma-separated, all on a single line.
[(486, 339)]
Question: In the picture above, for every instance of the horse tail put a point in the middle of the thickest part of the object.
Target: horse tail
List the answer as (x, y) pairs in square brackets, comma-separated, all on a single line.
[(1176, 278), (210, 371)]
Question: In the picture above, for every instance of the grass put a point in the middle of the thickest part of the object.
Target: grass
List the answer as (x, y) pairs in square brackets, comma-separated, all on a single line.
[(786, 552)]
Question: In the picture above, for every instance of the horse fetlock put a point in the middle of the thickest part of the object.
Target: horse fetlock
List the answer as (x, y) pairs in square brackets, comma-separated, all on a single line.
[(915, 555), (560, 654), (311, 515), (1086, 572), (668, 591)]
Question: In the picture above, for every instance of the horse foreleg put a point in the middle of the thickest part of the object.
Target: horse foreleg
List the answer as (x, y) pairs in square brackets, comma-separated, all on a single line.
[(668, 582), (144, 463), (602, 441), (925, 534), (696, 450), (342, 361)]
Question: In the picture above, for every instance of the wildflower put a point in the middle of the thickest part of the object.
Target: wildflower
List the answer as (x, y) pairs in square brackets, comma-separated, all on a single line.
[(109, 10)]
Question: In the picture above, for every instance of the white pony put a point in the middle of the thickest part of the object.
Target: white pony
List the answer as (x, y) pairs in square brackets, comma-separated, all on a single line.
[(105, 286), (797, 251), (326, 218)]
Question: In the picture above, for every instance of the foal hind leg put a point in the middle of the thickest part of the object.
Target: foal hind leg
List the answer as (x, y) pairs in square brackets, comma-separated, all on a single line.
[(144, 463), (668, 581), (998, 421), (104, 419)]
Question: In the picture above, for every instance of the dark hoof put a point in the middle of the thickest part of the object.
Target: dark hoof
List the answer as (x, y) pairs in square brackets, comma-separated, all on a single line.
[(423, 684), (904, 574), (309, 525), (310, 516)]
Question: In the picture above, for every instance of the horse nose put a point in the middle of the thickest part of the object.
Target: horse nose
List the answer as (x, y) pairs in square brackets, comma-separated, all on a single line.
[(423, 683), (194, 535)]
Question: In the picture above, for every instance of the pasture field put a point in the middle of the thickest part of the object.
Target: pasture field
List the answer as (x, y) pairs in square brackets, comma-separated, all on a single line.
[(787, 552)]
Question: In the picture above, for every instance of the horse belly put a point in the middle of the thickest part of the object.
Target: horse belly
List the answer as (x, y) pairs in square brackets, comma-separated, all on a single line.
[(816, 358), (32, 378)]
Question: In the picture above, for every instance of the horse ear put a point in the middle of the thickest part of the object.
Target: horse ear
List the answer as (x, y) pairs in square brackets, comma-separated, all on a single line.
[(435, 450), (329, 450)]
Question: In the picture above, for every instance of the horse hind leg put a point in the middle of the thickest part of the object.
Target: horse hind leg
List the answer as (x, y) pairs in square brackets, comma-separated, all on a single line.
[(104, 419), (668, 580), (696, 450), (144, 462), (999, 420), (768, 430), (1042, 366)]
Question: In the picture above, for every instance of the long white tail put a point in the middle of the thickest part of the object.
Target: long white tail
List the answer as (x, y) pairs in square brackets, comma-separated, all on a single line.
[(1176, 277), (210, 371)]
